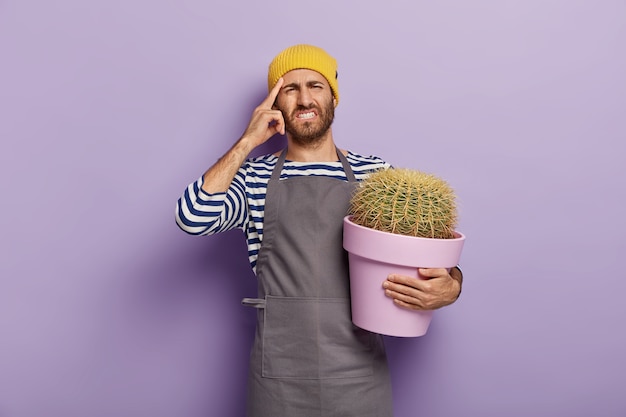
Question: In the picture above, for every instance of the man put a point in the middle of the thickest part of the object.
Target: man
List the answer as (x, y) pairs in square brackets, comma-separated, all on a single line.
[(308, 359)]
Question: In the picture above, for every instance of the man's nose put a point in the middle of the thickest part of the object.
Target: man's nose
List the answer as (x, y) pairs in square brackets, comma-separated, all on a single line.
[(305, 98)]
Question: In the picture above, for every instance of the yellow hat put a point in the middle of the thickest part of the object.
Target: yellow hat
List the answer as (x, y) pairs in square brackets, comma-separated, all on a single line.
[(304, 57)]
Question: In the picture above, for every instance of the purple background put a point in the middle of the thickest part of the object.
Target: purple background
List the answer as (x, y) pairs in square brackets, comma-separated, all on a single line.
[(108, 109)]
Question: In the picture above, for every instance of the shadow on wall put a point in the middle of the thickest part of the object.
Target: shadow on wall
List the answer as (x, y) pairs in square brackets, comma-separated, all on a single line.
[(410, 359), (178, 338), (214, 267)]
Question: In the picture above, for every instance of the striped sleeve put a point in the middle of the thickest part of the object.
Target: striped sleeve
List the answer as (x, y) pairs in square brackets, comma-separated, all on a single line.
[(201, 213), (243, 205), (363, 166)]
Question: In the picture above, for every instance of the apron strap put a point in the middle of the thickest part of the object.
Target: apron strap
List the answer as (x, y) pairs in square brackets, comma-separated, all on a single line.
[(346, 166), (279, 165)]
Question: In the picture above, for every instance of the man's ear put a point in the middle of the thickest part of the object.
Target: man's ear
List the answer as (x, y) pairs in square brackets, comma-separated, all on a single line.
[(335, 102)]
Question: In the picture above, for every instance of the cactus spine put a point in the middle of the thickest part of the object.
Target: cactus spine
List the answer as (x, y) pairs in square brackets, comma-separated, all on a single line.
[(406, 202)]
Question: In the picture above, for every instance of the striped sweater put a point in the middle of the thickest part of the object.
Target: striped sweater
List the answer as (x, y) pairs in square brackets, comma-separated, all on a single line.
[(242, 206)]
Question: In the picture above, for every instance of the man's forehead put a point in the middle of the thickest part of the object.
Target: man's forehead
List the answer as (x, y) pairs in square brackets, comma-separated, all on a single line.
[(303, 75)]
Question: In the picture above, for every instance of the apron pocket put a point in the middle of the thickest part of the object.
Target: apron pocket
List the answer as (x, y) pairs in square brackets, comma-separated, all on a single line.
[(314, 338)]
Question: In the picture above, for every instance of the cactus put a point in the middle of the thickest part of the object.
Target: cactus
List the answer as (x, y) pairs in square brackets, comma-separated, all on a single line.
[(405, 202)]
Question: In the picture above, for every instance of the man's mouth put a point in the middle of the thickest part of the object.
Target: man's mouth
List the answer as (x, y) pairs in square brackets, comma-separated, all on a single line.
[(307, 115)]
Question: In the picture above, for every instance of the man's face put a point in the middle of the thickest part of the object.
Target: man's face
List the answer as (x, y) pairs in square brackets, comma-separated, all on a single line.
[(308, 105)]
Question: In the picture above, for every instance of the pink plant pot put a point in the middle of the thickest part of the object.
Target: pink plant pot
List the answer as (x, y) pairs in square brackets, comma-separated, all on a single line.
[(373, 255)]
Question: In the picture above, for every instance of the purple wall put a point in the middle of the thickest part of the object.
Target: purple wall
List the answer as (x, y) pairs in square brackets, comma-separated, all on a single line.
[(108, 109)]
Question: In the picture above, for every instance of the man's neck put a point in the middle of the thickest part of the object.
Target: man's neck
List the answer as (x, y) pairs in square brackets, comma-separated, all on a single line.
[(322, 151)]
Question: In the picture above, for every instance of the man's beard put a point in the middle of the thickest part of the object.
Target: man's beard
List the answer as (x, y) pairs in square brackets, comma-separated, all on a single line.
[(309, 133)]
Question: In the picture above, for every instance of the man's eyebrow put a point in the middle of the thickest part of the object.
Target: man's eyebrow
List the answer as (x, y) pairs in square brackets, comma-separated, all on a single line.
[(297, 85), (290, 85)]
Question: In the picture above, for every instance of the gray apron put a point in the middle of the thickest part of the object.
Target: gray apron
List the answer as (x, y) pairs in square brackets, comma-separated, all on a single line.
[(308, 359)]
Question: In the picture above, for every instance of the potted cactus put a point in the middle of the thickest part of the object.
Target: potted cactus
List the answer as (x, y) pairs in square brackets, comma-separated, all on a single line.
[(399, 220)]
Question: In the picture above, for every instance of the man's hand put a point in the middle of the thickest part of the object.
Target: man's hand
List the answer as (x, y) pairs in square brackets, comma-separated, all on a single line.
[(434, 289), (266, 121)]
